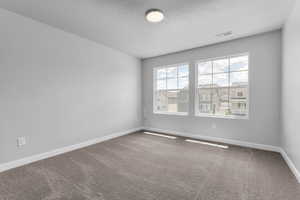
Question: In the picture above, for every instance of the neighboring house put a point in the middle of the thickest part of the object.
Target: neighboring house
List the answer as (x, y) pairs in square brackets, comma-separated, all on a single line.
[(172, 100), (213, 100), (216, 99)]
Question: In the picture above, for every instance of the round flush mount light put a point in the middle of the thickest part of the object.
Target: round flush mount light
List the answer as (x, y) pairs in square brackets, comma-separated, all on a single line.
[(154, 15)]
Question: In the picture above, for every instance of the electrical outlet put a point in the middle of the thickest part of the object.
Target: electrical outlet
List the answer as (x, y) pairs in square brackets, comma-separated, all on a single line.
[(21, 141)]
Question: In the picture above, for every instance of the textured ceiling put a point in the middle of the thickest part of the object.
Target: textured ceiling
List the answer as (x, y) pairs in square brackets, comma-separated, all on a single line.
[(189, 23)]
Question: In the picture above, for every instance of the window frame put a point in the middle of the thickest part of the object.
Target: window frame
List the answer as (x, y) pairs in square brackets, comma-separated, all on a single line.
[(196, 96), (154, 79)]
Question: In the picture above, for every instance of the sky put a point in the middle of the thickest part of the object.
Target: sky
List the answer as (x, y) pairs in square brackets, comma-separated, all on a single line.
[(221, 72)]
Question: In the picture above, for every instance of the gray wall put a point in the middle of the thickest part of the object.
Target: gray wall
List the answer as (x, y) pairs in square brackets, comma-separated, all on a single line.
[(57, 89), (291, 87), (263, 127)]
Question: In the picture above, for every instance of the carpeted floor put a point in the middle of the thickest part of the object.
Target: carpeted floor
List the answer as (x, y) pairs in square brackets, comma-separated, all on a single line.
[(144, 167)]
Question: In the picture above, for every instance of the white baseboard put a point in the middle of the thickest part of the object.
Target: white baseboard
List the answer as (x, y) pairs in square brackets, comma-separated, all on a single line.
[(217, 139), (34, 158), (290, 164)]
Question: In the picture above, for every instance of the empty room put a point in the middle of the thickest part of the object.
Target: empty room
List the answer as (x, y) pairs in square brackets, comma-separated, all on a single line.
[(149, 100)]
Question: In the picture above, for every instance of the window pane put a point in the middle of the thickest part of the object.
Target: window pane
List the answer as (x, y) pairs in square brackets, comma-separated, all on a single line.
[(222, 90), (172, 100), (239, 93), (171, 93), (221, 65), (161, 101), (220, 104), (183, 83), (172, 83), (204, 100), (161, 84), (205, 68), (177, 101), (183, 71), (181, 101), (204, 94), (172, 72), (221, 80), (161, 73), (238, 100), (204, 81), (238, 78), (239, 63)]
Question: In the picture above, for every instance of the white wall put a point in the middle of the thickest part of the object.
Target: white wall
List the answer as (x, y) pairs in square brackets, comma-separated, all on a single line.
[(57, 89), (263, 127), (291, 86)]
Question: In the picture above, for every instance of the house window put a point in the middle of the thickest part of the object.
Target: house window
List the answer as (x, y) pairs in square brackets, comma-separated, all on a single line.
[(171, 89), (222, 87)]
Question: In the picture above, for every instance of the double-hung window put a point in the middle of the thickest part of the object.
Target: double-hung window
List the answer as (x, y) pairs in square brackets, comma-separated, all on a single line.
[(171, 89), (222, 87)]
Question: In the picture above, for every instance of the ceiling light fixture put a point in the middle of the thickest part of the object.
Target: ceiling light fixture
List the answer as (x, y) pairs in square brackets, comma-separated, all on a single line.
[(154, 15)]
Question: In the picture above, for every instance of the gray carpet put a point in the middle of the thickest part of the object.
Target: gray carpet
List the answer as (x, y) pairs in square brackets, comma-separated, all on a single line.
[(144, 167)]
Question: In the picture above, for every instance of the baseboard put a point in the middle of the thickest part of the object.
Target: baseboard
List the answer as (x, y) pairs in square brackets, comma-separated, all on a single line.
[(217, 139), (34, 158), (290, 164)]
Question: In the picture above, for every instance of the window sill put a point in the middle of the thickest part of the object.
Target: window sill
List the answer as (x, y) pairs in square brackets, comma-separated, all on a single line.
[(172, 113), (223, 116)]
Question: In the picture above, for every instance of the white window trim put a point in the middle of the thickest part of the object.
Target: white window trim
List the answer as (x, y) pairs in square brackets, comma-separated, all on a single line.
[(154, 79), (197, 114)]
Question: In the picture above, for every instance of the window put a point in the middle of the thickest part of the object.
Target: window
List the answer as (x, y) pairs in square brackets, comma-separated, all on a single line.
[(222, 87), (171, 89)]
